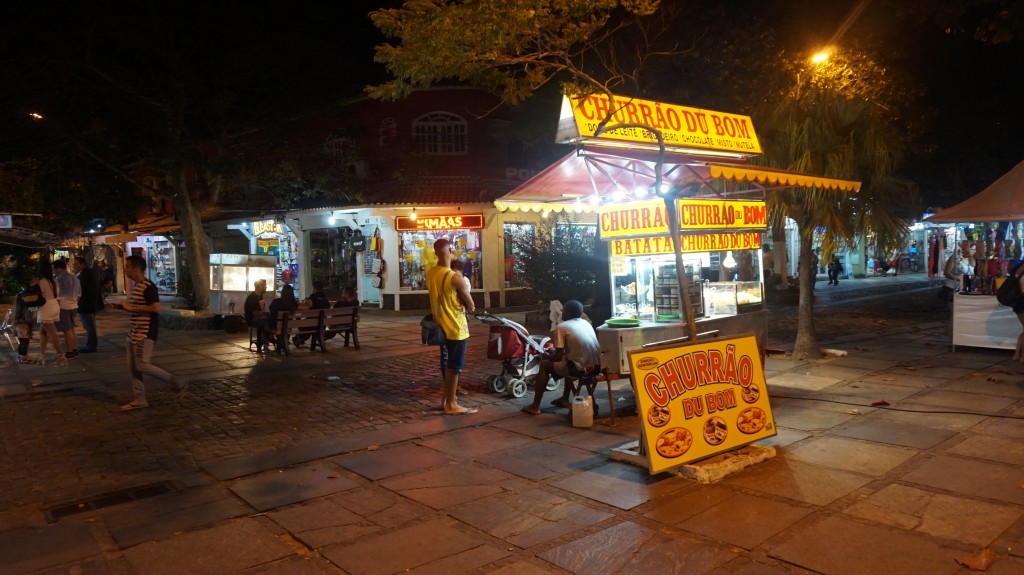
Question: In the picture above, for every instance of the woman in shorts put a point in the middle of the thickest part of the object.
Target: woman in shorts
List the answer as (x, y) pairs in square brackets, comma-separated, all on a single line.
[(48, 315)]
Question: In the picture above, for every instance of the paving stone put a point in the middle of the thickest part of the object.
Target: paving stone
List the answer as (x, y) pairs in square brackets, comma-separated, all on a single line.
[(783, 437), (955, 519), (685, 503), (403, 549), (807, 419), (1005, 427), (447, 486), (393, 461), (25, 550), (521, 568), (226, 548), (463, 562), (863, 362), (283, 487), (528, 518), (742, 566), (837, 372), (962, 475), (852, 455), (894, 433), (744, 520), (620, 485), (957, 400), (290, 566), (473, 442), (147, 527), (799, 481), (536, 427), (801, 381), (1004, 449), (920, 416), (630, 548), (600, 438), (542, 460), (839, 546)]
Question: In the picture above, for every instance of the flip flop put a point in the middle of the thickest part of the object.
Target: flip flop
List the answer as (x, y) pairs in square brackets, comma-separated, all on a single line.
[(530, 409), (465, 411)]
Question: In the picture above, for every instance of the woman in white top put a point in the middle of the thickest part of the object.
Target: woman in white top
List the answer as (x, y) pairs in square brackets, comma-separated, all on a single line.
[(49, 313)]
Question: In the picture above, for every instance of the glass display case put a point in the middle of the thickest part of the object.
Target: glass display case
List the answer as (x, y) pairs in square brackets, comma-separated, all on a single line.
[(646, 288), (748, 294), (232, 277)]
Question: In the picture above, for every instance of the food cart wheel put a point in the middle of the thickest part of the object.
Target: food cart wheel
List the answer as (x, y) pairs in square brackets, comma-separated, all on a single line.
[(497, 383), (517, 388), (552, 384)]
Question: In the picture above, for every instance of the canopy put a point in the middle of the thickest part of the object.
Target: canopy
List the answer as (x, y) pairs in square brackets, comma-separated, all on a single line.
[(581, 180), (1003, 200)]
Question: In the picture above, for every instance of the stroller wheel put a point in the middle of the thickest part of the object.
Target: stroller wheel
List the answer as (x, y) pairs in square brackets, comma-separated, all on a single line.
[(497, 383), (517, 388), (552, 384)]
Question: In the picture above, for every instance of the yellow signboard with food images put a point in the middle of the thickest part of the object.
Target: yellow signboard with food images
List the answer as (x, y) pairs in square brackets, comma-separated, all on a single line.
[(700, 399)]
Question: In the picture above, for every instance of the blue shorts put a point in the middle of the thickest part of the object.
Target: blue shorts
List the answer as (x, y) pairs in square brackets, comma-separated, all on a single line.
[(66, 321), (453, 355)]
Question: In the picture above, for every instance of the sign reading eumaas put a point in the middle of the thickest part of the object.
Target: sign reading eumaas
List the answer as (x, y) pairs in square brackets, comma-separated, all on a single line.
[(700, 399), (439, 222)]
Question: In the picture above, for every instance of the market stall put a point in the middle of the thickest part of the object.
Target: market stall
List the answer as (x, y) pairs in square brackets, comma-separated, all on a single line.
[(993, 221), (694, 206)]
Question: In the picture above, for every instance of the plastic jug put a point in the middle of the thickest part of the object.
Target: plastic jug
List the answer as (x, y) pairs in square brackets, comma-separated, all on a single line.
[(583, 412)]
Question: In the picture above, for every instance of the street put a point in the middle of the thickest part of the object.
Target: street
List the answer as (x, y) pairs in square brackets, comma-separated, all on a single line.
[(342, 462)]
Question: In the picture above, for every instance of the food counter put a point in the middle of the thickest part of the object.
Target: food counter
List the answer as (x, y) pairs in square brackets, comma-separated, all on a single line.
[(981, 321)]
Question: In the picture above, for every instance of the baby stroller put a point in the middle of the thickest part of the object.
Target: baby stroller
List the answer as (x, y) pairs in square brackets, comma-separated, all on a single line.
[(519, 352)]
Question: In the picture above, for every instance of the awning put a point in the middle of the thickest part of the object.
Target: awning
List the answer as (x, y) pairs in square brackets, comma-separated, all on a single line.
[(583, 179), (1001, 201)]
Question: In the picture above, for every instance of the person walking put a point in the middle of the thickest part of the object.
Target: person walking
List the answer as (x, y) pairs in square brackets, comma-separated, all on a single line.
[(48, 315), (88, 304), (68, 293), (144, 305), (448, 296)]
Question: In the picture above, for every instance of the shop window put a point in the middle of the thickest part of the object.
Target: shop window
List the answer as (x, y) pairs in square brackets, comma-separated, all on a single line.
[(440, 133), (417, 256), (517, 236), (332, 260)]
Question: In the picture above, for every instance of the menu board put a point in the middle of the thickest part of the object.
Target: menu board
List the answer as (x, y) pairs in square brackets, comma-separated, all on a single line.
[(700, 399)]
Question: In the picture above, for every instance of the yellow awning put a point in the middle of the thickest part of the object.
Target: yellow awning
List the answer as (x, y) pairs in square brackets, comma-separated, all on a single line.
[(779, 177), (582, 207)]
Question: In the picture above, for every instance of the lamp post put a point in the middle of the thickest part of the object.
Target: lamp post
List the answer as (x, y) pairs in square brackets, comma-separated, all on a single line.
[(671, 199)]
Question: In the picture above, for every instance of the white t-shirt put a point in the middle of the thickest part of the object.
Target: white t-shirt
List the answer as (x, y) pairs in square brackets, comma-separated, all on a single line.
[(579, 341)]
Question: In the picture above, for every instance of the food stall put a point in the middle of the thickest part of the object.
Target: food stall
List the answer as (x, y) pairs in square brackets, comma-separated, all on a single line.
[(993, 220), (232, 277), (691, 205)]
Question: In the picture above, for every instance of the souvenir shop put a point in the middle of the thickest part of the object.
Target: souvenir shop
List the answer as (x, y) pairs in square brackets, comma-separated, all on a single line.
[(161, 255)]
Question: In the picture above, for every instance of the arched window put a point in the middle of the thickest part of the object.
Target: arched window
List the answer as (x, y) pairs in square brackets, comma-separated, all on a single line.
[(440, 133)]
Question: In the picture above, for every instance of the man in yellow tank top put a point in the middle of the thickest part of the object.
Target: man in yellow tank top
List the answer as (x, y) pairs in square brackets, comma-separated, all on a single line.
[(448, 295)]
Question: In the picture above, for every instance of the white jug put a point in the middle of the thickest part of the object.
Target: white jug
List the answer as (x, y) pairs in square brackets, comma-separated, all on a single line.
[(583, 412)]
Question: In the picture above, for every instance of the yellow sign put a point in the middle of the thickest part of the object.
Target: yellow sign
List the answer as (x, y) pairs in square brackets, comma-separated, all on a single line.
[(680, 126), (267, 228), (700, 399), (648, 217), (690, 244)]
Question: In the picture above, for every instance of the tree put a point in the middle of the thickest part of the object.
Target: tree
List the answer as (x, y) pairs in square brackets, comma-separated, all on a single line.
[(840, 120), (558, 259), (164, 96)]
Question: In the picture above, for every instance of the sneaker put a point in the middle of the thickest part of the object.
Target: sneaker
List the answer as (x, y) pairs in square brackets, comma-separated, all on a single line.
[(71, 354), (180, 386), (135, 404)]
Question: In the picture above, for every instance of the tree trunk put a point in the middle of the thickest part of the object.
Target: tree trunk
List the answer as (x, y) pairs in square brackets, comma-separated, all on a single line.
[(197, 249), (806, 345)]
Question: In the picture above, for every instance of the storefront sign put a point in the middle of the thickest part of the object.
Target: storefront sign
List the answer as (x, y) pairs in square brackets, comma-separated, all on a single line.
[(648, 217), (432, 222), (680, 126), (267, 228), (691, 243), (700, 399)]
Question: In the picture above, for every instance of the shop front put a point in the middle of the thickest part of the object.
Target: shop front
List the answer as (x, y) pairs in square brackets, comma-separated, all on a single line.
[(161, 255), (704, 276), (275, 238)]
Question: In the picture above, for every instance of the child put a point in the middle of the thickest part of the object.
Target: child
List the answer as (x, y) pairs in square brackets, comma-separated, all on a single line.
[(458, 265), (24, 317)]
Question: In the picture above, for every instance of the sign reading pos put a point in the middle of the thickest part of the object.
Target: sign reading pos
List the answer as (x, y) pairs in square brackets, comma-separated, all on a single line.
[(699, 399)]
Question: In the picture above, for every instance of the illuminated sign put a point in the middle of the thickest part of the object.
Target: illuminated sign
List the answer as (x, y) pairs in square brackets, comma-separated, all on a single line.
[(648, 217), (680, 126), (431, 222), (700, 399), (267, 227), (6, 221), (691, 243)]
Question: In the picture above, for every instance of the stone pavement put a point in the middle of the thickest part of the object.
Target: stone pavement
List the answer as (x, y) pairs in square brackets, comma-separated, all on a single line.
[(341, 462)]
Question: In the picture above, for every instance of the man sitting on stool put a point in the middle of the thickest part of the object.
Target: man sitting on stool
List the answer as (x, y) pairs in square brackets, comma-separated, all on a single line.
[(576, 342)]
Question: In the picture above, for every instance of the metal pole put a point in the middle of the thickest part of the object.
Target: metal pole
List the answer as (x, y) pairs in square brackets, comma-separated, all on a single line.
[(685, 306)]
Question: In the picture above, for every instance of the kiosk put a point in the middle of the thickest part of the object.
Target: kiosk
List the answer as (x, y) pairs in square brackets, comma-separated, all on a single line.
[(232, 277)]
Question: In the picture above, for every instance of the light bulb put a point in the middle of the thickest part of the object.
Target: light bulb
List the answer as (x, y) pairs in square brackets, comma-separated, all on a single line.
[(729, 262), (413, 216)]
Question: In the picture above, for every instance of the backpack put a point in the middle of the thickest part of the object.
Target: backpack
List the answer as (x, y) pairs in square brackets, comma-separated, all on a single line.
[(1009, 293), (33, 296)]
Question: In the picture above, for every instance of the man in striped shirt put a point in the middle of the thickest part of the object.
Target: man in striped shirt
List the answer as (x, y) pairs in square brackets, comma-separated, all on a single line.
[(144, 305)]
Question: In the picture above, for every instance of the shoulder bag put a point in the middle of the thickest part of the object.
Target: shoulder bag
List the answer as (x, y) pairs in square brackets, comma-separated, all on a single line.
[(431, 333)]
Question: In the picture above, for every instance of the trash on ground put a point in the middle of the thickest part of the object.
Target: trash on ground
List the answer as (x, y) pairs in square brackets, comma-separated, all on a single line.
[(373, 447), (880, 403), (853, 411), (829, 352), (333, 378), (978, 562)]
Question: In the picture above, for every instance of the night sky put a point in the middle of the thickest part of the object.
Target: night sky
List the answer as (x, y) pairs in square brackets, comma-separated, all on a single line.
[(301, 55)]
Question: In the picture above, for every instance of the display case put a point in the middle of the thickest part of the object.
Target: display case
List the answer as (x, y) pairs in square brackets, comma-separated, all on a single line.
[(232, 277), (721, 298), (748, 296), (646, 288)]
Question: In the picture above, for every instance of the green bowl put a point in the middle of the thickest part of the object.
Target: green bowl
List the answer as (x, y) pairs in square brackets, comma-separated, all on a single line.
[(667, 316), (622, 322)]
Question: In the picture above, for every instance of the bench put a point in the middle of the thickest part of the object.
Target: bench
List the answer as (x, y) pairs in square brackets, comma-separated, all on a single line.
[(316, 323)]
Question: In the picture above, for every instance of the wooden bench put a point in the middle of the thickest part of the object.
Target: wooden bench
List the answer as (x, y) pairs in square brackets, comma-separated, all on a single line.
[(316, 323)]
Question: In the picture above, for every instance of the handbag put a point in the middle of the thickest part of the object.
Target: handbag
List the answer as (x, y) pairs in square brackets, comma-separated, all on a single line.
[(431, 332), (945, 293)]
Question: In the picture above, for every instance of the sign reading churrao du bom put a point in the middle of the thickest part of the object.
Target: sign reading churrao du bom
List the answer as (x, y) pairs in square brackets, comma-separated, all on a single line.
[(648, 217), (680, 126), (700, 399)]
